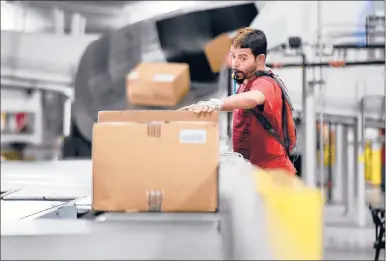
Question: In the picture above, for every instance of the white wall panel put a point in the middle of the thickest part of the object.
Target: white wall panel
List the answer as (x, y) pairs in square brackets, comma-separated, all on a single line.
[(42, 56)]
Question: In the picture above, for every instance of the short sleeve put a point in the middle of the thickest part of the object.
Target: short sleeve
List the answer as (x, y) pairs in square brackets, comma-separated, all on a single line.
[(267, 88)]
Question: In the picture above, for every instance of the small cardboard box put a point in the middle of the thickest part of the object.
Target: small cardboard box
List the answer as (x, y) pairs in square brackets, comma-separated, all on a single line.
[(158, 84), (217, 51), (155, 161)]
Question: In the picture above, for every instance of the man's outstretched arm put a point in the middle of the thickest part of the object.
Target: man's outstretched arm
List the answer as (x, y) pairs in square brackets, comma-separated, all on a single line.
[(245, 100), (261, 92)]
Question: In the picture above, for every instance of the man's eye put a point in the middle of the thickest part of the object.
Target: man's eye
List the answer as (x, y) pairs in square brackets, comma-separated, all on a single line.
[(243, 59)]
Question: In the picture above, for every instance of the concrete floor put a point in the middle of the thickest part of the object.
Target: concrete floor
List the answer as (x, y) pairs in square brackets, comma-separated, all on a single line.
[(351, 255), (343, 239)]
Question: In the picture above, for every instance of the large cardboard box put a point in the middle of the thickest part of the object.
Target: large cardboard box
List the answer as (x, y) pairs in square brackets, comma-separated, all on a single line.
[(158, 84), (155, 161), (217, 51)]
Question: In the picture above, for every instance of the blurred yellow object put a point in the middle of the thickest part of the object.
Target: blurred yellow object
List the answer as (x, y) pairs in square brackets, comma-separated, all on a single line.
[(11, 155), (328, 146), (3, 121), (16, 156), (366, 158), (294, 215), (327, 152), (376, 168), (326, 155), (372, 159)]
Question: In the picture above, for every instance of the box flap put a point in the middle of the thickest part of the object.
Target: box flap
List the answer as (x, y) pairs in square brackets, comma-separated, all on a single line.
[(154, 115), (217, 52)]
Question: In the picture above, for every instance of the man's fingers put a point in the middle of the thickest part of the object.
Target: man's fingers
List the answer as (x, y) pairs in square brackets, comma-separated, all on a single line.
[(198, 108), (201, 108), (206, 109)]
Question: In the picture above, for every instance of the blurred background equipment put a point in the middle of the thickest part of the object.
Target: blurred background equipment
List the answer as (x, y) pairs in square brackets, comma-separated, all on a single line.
[(184, 37), (63, 61)]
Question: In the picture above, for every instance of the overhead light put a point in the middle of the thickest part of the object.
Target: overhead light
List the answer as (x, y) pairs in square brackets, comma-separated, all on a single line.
[(3, 2)]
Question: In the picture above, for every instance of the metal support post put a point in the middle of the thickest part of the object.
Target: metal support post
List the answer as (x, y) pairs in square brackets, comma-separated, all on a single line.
[(351, 161), (59, 24), (82, 25), (344, 158), (330, 179), (76, 22), (309, 127), (360, 169), (340, 170)]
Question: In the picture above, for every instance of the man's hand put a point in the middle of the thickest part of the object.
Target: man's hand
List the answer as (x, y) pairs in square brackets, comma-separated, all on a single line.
[(198, 108), (204, 107)]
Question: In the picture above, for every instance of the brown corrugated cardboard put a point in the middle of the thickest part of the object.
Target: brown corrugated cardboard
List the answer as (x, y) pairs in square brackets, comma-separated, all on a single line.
[(216, 52), (158, 84), (155, 160)]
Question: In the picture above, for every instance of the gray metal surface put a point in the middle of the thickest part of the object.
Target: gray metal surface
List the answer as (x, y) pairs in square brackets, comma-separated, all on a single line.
[(360, 168), (64, 194), (309, 127), (44, 189), (53, 176), (246, 212), (236, 232), (17, 210), (340, 168), (351, 161), (119, 240)]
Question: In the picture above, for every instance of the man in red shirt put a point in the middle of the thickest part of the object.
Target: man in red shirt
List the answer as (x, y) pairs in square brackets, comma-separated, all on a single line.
[(248, 54)]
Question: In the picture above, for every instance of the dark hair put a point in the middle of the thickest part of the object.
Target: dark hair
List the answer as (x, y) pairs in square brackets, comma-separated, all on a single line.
[(251, 38)]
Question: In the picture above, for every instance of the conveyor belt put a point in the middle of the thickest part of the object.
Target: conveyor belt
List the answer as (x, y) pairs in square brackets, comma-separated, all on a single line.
[(233, 233), (86, 240), (17, 210)]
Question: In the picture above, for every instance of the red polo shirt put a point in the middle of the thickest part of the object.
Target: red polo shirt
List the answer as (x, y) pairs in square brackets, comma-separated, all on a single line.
[(249, 137)]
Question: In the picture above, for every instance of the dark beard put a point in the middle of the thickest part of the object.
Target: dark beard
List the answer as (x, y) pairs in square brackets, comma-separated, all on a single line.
[(240, 80), (237, 78)]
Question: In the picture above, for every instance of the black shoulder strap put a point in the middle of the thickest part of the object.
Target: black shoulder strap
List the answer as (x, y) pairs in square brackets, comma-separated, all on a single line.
[(266, 124), (268, 127), (279, 82)]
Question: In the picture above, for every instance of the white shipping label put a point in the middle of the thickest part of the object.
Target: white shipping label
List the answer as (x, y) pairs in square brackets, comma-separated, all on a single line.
[(163, 77), (193, 136)]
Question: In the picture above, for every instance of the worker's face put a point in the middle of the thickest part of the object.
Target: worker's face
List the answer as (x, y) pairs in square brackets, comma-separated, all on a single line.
[(244, 63)]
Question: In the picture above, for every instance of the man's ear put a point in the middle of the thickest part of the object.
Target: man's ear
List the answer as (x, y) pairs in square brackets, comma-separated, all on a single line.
[(260, 58)]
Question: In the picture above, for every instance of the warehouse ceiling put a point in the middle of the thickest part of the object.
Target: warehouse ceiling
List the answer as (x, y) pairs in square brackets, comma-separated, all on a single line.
[(98, 14), (85, 7), (104, 16)]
